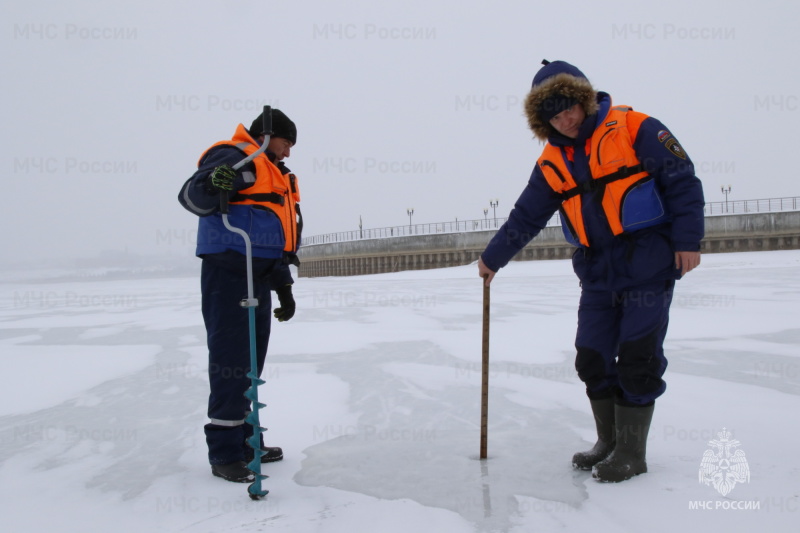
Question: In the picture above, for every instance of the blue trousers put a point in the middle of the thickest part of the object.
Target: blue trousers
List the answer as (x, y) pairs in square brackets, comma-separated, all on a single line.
[(620, 342), (224, 285)]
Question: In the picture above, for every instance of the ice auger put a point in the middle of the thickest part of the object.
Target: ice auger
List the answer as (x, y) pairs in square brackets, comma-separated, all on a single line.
[(254, 490)]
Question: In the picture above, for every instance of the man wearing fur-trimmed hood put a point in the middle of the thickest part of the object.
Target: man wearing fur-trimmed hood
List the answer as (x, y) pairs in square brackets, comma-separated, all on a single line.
[(630, 202)]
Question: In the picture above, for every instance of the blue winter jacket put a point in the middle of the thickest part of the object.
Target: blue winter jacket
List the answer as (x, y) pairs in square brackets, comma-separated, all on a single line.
[(612, 262), (262, 225)]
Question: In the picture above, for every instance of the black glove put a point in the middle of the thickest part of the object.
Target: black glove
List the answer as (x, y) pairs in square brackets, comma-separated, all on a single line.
[(286, 310), (221, 178)]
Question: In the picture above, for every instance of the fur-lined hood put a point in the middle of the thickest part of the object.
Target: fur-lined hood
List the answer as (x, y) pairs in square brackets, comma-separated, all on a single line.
[(557, 77)]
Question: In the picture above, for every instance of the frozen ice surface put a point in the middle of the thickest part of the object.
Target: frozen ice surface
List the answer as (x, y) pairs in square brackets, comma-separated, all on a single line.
[(373, 391)]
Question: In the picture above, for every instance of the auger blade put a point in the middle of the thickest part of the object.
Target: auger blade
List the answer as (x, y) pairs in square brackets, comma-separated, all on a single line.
[(256, 463), (255, 491), (255, 379), (254, 441)]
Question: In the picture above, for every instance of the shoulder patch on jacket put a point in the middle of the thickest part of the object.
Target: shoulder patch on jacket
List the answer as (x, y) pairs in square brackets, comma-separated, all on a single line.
[(673, 146), (663, 135)]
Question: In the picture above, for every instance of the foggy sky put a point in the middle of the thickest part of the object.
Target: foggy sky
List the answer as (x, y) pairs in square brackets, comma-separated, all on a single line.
[(108, 105)]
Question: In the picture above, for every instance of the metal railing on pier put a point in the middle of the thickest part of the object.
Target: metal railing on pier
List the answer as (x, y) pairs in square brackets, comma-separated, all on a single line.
[(486, 224)]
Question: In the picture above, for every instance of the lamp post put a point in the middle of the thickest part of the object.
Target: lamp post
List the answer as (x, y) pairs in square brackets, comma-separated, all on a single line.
[(410, 212), (485, 217), (494, 203), (726, 192)]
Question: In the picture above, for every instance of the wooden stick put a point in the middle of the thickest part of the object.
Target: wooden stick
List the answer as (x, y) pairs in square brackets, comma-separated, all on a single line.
[(485, 371)]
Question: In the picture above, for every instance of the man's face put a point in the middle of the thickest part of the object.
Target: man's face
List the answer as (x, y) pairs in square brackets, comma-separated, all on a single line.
[(569, 121), (280, 147)]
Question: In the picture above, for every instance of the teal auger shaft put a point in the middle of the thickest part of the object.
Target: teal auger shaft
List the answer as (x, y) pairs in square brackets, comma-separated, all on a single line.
[(254, 490)]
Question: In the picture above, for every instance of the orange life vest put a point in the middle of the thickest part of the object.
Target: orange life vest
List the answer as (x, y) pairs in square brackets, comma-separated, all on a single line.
[(272, 190), (614, 167)]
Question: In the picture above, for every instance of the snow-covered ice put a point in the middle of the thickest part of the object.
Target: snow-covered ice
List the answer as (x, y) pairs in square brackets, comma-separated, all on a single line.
[(373, 391)]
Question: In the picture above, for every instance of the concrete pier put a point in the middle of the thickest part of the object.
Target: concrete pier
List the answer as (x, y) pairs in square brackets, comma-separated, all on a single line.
[(729, 233)]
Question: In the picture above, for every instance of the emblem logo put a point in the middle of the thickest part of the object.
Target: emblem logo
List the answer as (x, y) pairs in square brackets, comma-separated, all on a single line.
[(662, 135), (724, 466), (673, 146)]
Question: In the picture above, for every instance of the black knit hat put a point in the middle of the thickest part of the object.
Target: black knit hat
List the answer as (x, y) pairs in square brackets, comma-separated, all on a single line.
[(282, 126)]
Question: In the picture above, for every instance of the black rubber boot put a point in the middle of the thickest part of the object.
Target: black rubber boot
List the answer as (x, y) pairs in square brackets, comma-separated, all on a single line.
[(271, 454), (236, 472), (628, 458), (603, 411)]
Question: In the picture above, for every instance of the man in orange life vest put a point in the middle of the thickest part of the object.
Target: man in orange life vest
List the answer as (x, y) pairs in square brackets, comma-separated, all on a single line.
[(264, 200), (631, 203)]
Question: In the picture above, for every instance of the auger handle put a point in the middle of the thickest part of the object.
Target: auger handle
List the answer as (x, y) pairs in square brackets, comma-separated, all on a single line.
[(267, 118), (267, 124)]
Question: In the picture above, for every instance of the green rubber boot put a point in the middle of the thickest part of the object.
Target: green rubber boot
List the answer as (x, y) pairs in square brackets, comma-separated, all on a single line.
[(628, 458), (603, 411)]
